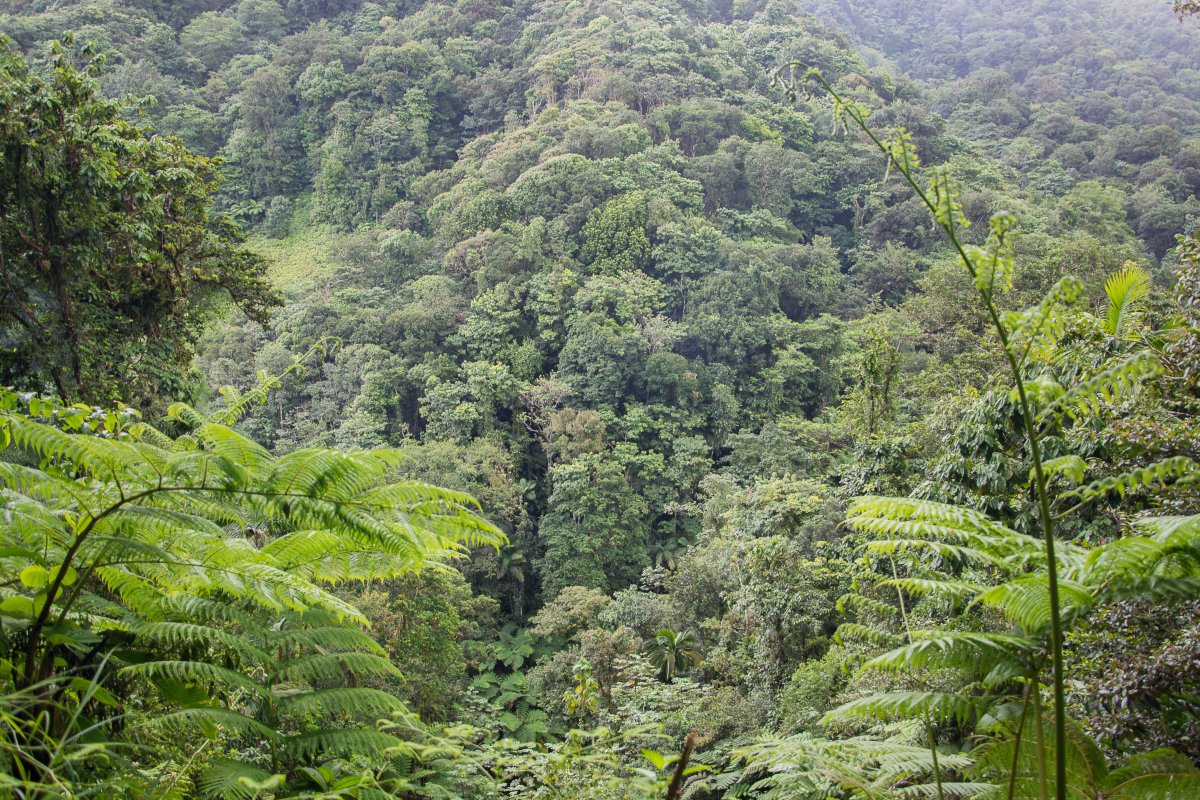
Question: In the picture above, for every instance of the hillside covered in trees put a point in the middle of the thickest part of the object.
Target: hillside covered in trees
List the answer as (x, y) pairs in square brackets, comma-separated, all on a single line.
[(605, 399)]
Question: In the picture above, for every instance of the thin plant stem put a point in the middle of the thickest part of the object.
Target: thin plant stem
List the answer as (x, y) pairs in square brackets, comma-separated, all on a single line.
[(1046, 519)]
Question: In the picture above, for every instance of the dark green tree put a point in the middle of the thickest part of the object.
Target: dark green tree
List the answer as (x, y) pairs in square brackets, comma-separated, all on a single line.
[(111, 259)]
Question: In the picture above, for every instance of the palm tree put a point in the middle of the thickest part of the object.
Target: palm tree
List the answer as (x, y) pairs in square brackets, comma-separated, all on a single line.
[(511, 570), (673, 653), (666, 553), (1127, 291)]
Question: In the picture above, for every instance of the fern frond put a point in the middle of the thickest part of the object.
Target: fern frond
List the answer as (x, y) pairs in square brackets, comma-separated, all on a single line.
[(232, 780), (197, 672), (1160, 774), (209, 716), (1026, 601), (954, 790), (348, 741), (947, 552), (940, 707), (852, 631), (977, 652), (174, 634), (1111, 385), (338, 638), (1087, 772), (1036, 331), (354, 700), (328, 666), (928, 587), (1071, 467)]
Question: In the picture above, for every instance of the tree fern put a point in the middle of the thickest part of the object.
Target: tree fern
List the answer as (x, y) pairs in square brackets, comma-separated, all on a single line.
[(128, 531)]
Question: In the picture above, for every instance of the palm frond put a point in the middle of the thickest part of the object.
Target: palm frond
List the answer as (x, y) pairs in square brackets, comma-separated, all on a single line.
[(1126, 290)]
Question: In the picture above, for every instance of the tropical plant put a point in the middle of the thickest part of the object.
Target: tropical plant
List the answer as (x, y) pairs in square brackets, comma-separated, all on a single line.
[(1000, 575), (666, 552), (201, 563), (1127, 291), (673, 653), (1054, 591), (805, 767), (509, 709)]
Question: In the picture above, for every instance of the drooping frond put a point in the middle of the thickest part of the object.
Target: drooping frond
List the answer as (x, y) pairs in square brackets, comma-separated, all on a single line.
[(929, 587), (964, 650), (347, 741), (350, 700), (197, 672), (1111, 385), (939, 707), (852, 631), (331, 638), (209, 717), (1025, 601), (174, 634), (953, 790), (1159, 774), (327, 666), (226, 779)]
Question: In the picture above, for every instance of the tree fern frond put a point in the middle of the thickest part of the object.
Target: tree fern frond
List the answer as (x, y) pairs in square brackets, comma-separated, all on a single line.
[(352, 700), (144, 432), (340, 638), (1179, 530), (978, 652), (197, 672), (232, 446), (227, 779), (928, 587), (908, 508), (1160, 774), (860, 603), (1112, 385), (1036, 331), (209, 716), (852, 631), (349, 741), (940, 707), (185, 414), (953, 790), (174, 634), (1086, 770), (1071, 467), (919, 547), (327, 666), (1026, 601)]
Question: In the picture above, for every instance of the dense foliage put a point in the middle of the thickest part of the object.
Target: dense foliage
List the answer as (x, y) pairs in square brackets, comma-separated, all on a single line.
[(838, 427), (111, 260)]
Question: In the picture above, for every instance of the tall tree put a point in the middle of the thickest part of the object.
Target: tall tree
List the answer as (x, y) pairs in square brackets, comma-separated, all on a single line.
[(110, 258)]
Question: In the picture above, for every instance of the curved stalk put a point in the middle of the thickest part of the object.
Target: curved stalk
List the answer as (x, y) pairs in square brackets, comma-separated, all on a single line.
[(903, 166)]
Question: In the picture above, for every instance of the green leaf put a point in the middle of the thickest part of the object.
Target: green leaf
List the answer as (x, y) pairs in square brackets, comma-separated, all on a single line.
[(34, 576), (654, 757), (17, 606)]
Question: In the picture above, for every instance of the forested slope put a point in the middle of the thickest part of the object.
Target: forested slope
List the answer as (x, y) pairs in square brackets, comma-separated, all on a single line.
[(591, 263)]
